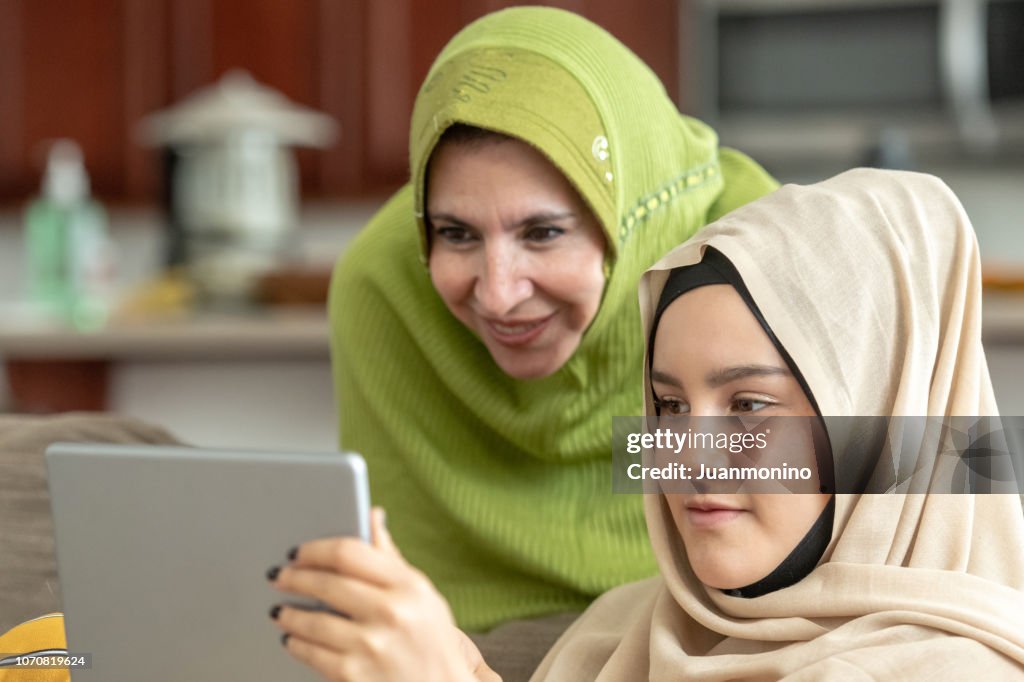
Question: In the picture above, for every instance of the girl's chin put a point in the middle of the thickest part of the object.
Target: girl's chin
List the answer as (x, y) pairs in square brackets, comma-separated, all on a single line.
[(720, 582), (721, 574)]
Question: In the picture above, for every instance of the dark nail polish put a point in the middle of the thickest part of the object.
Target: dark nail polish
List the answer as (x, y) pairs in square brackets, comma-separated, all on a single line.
[(275, 611), (292, 553), (284, 639), (272, 573)]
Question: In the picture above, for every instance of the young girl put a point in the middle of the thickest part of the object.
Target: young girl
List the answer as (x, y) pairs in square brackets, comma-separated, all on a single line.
[(859, 296)]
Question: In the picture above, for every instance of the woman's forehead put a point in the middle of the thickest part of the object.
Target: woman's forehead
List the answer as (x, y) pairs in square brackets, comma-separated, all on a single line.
[(509, 174)]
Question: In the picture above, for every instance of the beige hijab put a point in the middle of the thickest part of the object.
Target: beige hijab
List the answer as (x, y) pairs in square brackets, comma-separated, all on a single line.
[(871, 281)]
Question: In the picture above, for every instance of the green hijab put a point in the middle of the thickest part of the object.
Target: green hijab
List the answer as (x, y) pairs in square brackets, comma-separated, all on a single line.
[(500, 489)]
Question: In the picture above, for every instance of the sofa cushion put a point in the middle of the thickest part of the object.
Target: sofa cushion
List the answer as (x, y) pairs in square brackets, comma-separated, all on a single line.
[(515, 649), (28, 569)]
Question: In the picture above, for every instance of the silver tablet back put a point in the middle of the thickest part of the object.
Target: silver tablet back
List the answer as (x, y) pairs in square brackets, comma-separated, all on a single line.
[(162, 553)]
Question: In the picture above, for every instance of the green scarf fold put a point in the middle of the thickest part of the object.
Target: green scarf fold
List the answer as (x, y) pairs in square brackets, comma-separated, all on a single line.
[(500, 489)]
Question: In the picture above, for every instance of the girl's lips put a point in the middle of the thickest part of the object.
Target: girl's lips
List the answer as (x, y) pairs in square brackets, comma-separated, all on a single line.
[(711, 517), (518, 333)]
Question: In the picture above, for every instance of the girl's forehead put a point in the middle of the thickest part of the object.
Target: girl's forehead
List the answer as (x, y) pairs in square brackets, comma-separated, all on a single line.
[(714, 318)]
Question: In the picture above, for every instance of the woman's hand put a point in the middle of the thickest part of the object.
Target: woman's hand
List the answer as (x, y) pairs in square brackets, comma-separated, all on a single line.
[(398, 626)]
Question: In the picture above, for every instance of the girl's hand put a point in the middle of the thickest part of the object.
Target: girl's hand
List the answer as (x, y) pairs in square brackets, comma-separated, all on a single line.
[(398, 626)]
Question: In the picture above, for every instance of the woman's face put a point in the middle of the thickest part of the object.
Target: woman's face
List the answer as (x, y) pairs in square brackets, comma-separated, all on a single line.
[(516, 254), (713, 359)]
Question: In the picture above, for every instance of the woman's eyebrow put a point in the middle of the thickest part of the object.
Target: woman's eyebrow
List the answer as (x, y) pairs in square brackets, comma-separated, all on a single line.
[(530, 220), (546, 217), (447, 218), (724, 376)]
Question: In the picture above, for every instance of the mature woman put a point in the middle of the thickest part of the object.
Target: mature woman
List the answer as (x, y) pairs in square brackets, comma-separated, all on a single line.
[(485, 320), (859, 296)]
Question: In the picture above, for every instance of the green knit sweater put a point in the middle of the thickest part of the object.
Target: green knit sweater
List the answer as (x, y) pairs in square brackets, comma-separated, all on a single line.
[(500, 489)]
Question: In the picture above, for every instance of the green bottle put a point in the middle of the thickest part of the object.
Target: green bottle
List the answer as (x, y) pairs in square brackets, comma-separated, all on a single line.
[(68, 254)]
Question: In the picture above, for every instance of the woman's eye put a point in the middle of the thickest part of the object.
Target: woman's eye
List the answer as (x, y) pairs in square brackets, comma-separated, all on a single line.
[(454, 235), (749, 405), (543, 234), (671, 406)]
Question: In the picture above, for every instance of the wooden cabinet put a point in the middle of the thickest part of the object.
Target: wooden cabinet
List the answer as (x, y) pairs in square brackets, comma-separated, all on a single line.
[(90, 69)]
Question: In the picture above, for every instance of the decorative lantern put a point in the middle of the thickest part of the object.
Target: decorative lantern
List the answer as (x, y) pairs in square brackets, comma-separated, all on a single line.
[(233, 193)]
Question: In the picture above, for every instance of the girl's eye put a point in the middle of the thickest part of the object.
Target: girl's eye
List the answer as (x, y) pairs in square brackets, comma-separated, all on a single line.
[(543, 234), (749, 405), (454, 235), (671, 406)]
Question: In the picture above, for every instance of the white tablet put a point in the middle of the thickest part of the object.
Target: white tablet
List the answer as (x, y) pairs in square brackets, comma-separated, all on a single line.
[(163, 552)]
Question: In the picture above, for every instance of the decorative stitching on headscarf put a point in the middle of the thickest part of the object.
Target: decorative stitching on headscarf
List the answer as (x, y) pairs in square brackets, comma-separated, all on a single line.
[(664, 195)]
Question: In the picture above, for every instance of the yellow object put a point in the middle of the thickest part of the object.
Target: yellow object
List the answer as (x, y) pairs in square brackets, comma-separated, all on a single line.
[(169, 294), (43, 634)]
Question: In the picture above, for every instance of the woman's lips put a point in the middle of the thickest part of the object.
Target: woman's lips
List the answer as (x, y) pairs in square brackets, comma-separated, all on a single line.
[(517, 332)]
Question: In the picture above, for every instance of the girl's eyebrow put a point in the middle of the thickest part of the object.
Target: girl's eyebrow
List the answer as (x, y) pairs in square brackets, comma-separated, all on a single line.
[(723, 376), (727, 375), (665, 378)]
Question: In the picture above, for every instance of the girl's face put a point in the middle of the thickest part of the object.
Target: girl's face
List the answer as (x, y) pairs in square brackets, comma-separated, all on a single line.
[(713, 359), (516, 254)]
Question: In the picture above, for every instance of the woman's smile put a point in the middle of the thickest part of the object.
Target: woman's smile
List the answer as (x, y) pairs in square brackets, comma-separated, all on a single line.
[(518, 332)]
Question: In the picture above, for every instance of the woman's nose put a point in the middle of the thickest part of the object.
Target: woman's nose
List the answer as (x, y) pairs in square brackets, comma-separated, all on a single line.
[(503, 282)]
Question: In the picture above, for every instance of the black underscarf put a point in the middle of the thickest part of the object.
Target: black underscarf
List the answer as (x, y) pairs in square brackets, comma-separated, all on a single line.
[(800, 562)]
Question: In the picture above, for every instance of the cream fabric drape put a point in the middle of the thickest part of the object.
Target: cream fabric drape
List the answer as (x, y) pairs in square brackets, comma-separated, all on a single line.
[(871, 281)]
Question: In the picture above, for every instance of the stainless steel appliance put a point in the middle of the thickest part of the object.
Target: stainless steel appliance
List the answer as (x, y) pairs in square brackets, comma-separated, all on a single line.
[(845, 82)]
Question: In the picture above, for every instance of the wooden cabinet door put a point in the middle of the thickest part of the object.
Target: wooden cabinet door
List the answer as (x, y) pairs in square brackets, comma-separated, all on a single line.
[(91, 69)]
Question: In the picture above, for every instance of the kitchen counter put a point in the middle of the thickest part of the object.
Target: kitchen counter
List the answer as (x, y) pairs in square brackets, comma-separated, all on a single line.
[(54, 368), (291, 332), (1003, 318), (271, 333)]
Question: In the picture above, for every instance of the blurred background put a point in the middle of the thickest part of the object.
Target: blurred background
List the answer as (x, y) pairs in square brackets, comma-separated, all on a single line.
[(216, 156)]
